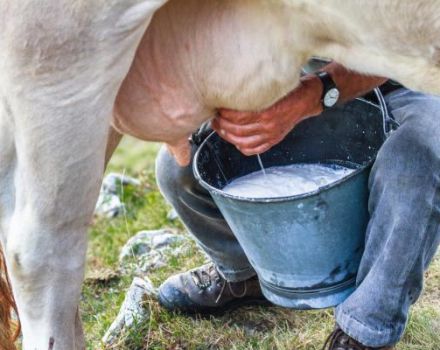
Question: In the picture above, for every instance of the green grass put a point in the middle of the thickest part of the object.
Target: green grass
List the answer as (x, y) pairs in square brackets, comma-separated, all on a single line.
[(248, 328)]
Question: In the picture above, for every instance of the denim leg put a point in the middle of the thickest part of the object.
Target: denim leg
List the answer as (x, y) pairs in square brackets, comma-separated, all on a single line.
[(403, 232), (203, 219)]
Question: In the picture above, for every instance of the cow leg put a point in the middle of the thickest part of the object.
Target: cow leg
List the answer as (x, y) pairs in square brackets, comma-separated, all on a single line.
[(61, 66), (8, 159), (57, 176)]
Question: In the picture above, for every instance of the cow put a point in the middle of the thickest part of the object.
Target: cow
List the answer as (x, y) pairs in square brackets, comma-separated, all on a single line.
[(77, 74)]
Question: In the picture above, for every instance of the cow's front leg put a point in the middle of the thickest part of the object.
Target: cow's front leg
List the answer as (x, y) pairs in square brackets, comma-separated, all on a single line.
[(61, 65), (58, 170)]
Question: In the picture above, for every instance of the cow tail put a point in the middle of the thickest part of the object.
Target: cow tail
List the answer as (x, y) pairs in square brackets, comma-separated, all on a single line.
[(9, 329)]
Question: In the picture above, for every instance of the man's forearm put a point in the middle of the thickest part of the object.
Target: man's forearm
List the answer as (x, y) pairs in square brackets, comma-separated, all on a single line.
[(352, 84), (349, 83)]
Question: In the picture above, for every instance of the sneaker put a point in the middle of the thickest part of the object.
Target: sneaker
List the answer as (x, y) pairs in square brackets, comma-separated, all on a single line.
[(338, 340), (204, 291)]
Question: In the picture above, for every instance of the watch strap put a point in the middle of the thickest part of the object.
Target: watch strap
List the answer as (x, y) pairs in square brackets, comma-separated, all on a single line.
[(327, 83)]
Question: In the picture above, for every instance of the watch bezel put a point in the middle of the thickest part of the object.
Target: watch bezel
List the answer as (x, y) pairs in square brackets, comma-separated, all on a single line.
[(328, 86), (330, 101)]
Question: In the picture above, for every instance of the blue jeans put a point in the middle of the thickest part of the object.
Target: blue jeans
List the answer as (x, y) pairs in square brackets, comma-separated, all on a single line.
[(402, 236)]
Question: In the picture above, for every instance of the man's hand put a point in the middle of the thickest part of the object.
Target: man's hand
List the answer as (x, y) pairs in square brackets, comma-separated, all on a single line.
[(256, 132)]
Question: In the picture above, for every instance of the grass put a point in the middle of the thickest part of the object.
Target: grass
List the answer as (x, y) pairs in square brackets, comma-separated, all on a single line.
[(248, 328)]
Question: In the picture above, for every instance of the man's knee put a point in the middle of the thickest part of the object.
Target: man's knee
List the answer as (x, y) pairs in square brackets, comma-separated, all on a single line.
[(416, 139), (411, 155), (419, 116)]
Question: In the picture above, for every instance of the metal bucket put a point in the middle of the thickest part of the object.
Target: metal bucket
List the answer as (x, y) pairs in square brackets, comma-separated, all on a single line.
[(305, 249)]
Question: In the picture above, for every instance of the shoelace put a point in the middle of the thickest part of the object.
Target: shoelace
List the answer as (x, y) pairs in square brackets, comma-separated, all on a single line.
[(334, 337), (203, 280), (224, 283)]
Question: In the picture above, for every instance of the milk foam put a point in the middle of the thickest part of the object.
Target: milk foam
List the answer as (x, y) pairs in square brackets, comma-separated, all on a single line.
[(290, 180)]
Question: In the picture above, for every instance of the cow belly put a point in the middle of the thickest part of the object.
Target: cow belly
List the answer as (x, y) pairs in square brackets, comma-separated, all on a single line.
[(199, 56)]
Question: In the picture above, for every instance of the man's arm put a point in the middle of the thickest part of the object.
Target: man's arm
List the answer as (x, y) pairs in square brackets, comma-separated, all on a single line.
[(256, 132)]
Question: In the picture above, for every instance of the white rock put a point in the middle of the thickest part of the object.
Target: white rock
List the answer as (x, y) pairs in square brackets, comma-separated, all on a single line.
[(145, 241), (132, 309), (172, 215), (113, 181), (149, 250), (154, 260), (164, 240), (109, 203), (183, 249)]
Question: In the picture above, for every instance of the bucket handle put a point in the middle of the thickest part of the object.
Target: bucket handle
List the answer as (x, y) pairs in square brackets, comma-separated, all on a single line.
[(389, 123)]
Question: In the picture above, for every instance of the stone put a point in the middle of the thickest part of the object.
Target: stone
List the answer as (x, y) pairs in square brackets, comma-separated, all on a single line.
[(165, 239), (109, 203), (132, 309), (113, 181), (154, 260), (148, 250), (172, 215)]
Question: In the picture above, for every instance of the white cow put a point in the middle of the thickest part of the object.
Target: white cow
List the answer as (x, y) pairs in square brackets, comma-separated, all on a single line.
[(65, 67)]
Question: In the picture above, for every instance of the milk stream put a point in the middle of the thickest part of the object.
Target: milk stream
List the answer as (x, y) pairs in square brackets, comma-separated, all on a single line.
[(261, 164), (290, 180)]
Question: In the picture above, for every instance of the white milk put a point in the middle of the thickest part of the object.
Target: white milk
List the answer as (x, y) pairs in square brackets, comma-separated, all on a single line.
[(282, 181)]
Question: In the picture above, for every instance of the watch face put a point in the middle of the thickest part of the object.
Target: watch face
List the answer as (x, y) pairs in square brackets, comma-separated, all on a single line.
[(331, 97)]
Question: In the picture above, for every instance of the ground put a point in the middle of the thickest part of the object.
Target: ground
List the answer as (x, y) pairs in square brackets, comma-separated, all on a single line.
[(249, 328)]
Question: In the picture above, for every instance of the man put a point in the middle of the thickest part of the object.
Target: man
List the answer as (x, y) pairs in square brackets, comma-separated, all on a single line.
[(402, 235)]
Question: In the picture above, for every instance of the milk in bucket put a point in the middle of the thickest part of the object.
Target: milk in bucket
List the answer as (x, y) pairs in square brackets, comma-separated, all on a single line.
[(289, 180)]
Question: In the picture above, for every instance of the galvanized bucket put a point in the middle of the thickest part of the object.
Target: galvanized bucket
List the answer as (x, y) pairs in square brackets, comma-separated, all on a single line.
[(305, 249)]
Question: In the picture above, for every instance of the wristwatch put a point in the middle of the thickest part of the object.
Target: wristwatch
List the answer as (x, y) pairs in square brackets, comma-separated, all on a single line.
[(330, 93)]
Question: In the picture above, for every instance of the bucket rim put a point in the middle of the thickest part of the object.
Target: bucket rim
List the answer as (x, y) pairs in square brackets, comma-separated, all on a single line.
[(213, 190)]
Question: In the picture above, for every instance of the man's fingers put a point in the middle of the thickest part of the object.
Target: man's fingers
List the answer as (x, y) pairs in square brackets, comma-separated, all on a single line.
[(250, 151), (223, 126), (261, 147), (245, 142), (246, 137), (181, 151)]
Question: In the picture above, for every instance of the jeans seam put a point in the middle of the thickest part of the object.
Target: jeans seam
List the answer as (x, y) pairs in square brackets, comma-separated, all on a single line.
[(237, 271), (386, 331), (388, 334), (232, 275)]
